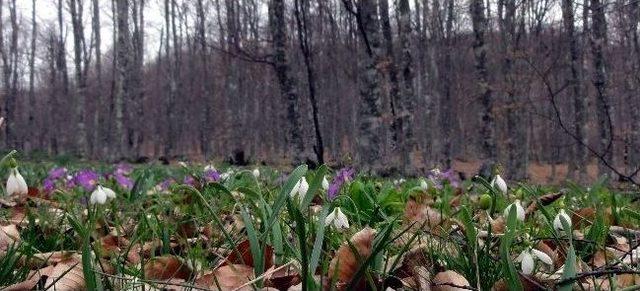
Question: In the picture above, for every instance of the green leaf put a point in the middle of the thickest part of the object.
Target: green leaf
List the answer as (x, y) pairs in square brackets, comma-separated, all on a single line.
[(510, 273), (569, 270), (254, 243), (315, 185)]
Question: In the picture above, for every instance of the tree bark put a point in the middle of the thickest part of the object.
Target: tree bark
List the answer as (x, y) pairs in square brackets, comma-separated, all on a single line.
[(487, 129), (578, 163), (76, 10)]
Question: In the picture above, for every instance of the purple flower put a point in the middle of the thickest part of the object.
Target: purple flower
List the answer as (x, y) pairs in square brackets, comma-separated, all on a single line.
[(87, 178), (48, 185), (164, 186), (344, 175), (57, 173), (188, 180), (439, 178), (211, 175), (123, 169), (70, 182), (123, 181)]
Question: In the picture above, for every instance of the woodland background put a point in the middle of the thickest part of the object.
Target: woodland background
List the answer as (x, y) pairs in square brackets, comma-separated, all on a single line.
[(387, 85)]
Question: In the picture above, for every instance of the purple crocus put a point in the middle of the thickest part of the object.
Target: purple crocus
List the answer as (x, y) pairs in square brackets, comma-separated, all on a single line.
[(123, 169), (344, 175), (164, 186), (189, 180), (57, 173), (48, 185), (124, 181), (439, 178), (211, 175), (87, 178)]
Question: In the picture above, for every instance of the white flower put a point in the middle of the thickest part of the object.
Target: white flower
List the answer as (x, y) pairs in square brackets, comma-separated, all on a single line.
[(519, 210), (182, 164), (304, 187), (100, 195), (423, 185), (557, 222), (499, 183), (256, 173), (300, 189), (209, 168), (325, 183), (16, 185), (337, 218), (226, 175), (526, 259)]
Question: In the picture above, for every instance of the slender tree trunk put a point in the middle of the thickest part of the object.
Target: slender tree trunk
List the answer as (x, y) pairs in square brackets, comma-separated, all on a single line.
[(578, 164), (122, 67), (31, 138), (407, 99), (301, 14), (487, 129), (287, 82), (603, 106), (206, 92), (370, 128), (447, 121), (75, 7), (392, 70)]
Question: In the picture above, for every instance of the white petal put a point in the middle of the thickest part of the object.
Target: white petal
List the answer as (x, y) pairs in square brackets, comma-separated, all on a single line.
[(295, 189), (325, 183), (542, 256), (108, 192), (98, 196), (520, 210), (557, 221), (16, 185), (527, 263), (341, 221), (499, 183), (330, 218), (423, 185), (256, 173), (304, 187)]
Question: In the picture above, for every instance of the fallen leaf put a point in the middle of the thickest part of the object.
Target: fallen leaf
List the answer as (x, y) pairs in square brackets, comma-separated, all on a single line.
[(166, 267), (227, 277), (246, 258), (66, 276), (345, 263), (449, 281)]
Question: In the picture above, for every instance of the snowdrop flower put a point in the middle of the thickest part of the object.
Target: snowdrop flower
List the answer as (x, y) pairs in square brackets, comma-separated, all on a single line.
[(526, 259), (337, 218), (300, 189), (256, 173), (182, 164), (499, 183), (209, 168), (557, 222), (519, 210), (16, 184), (101, 194), (423, 185), (325, 183)]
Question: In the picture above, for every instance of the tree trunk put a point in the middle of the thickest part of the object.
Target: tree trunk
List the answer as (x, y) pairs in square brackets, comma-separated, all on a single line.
[(487, 130), (123, 67), (370, 128), (578, 163), (406, 103), (603, 110), (76, 10), (287, 82)]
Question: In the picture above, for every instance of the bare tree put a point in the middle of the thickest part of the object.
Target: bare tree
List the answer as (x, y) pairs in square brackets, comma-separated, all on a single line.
[(406, 101), (81, 62), (579, 159), (286, 80), (123, 67), (603, 110), (30, 143), (9, 54), (488, 136)]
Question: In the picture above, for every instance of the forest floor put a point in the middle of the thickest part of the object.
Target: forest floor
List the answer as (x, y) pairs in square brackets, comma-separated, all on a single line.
[(197, 227)]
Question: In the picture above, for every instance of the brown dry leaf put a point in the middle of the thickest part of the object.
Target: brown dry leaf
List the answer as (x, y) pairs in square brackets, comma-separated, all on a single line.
[(281, 278), (345, 263), (166, 267), (421, 214), (66, 276), (227, 277), (628, 280), (32, 279), (449, 281), (498, 225), (9, 235), (112, 245), (51, 258), (246, 258), (585, 216)]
